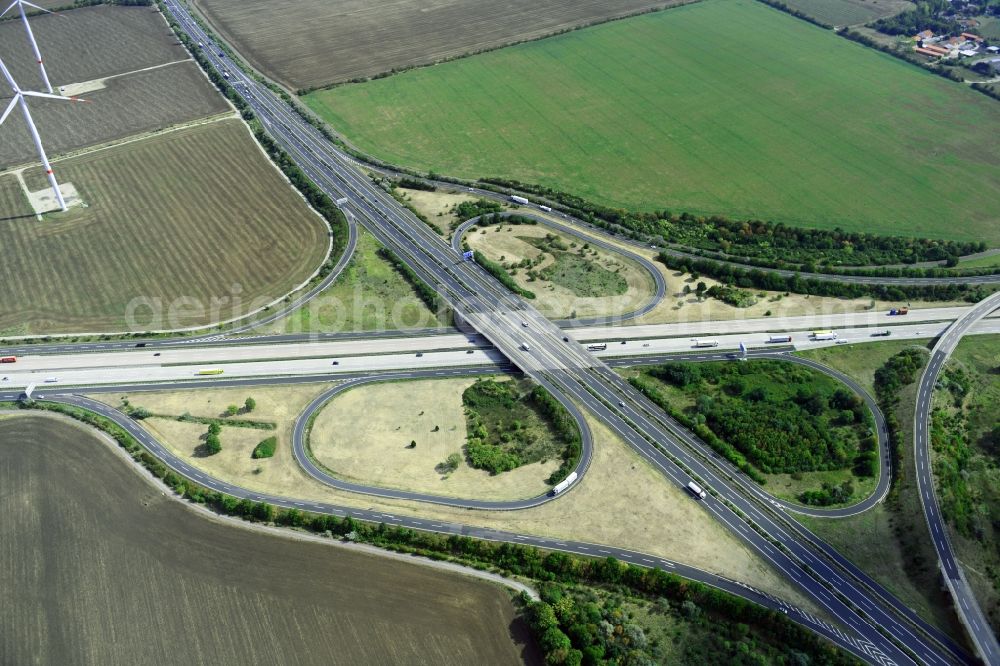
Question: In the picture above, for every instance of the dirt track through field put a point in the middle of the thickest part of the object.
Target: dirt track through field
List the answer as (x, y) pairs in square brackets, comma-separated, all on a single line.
[(102, 568)]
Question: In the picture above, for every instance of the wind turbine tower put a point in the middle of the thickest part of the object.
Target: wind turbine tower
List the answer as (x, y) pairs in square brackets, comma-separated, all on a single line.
[(19, 96), (20, 4)]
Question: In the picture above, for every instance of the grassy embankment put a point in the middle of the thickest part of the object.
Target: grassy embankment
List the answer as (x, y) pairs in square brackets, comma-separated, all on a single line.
[(370, 295), (965, 435), (638, 114)]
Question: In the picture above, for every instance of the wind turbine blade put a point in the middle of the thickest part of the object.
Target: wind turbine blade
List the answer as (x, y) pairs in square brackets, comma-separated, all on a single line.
[(34, 44), (41, 151), (10, 107), (29, 93), (41, 9), (10, 79), (12, 5)]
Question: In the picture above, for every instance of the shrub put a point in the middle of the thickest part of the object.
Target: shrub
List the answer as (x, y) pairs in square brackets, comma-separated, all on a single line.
[(212, 444), (266, 448)]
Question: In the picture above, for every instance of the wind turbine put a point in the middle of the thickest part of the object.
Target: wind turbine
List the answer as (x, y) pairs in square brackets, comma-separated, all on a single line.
[(19, 96), (31, 36)]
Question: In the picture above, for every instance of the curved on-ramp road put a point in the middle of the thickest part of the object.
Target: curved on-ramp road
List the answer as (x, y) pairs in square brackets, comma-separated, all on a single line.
[(594, 239), (846, 641), (300, 446), (968, 608)]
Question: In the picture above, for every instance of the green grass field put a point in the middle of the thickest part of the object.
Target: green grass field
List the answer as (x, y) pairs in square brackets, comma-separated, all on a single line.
[(724, 106), (370, 295), (981, 262)]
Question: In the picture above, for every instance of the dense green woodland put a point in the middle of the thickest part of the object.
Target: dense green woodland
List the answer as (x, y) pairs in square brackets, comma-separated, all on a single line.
[(781, 416), (511, 424)]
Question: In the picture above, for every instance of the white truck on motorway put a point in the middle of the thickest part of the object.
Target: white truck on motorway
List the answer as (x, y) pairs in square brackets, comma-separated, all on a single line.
[(706, 343), (824, 335), (520, 200), (564, 484), (547, 209), (779, 338), (696, 490)]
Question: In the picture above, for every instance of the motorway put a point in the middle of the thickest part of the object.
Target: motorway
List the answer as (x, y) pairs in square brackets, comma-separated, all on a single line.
[(968, 608), (243, 357), (541, 350), (595, 332), (823, 628)]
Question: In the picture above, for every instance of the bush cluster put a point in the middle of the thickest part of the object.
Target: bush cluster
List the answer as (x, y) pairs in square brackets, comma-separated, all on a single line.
[(829, 494), (502, 276), (265, 449), (738, 298), (470, 209)]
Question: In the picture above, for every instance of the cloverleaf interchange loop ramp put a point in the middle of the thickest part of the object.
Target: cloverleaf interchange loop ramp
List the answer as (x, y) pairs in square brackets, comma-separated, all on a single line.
[(876, 626)]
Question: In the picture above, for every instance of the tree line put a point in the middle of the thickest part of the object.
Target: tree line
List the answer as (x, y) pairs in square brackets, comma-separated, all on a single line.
[(755, 278), (506, 558), (748, 238)]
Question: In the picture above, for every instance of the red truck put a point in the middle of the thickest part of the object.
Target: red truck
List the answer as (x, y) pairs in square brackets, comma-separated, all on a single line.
[(899, 311), (8, 359)]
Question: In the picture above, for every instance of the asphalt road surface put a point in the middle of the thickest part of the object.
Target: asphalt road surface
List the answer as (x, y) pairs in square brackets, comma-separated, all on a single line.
[(968, 608), (804, 618), (543, 352), (658, 280)]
